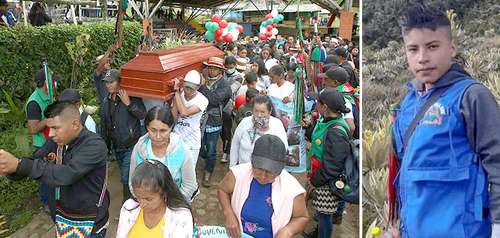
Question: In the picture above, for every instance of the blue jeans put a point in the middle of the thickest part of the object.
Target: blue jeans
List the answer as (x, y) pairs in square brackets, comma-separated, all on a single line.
[(340, 208), (325, 227), (209, 149), (123, 159)]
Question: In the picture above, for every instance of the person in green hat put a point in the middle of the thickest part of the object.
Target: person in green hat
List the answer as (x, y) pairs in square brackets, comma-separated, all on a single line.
[(329, 150)]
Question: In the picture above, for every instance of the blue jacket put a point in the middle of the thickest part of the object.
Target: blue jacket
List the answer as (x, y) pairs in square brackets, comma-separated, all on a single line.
[(442, 186)]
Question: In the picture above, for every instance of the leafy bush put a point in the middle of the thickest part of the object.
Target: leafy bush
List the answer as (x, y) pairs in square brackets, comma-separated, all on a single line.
[(16, 196), (23, 49)]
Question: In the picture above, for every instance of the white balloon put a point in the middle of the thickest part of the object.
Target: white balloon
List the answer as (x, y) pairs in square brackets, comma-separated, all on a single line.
[(263, 30), (274, 31), (235, 33), (274, 12), (272, 37), (224, 31)]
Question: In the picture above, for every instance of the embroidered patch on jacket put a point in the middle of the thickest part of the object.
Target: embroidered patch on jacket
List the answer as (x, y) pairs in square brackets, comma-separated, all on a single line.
[(434, 115)]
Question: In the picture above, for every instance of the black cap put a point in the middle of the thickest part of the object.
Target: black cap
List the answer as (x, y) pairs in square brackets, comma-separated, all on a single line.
[(334, 100), (336, 73), (341, 51), (269, 154), (332, 59), (70, 95), (111, 75), (327, 67)]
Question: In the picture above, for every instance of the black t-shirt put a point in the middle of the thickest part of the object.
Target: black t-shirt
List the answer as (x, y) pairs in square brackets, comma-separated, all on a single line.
[(33, 111)]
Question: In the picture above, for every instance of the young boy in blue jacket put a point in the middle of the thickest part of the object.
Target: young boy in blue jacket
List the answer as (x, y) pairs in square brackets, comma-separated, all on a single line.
[(448, 183)]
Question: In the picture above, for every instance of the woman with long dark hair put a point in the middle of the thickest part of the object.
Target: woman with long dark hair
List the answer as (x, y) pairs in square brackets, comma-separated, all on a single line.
[(168, 148), (259, 67), (159, 209)]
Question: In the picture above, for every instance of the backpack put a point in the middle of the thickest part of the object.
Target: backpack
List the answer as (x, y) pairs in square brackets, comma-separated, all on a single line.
[(353, 80), (350, 175), (355, 101), (228, 108)]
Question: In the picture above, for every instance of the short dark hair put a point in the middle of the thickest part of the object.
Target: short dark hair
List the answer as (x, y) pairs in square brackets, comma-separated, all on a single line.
[(57, 108), (291, 66), (230, 60), (251, 76), (251, 94), (263, 99), (159, 113), (231, 46), (242, 47), (277, 70), (423, 16)]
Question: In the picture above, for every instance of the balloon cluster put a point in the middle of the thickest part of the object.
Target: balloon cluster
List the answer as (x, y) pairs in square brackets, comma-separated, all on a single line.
[(219, 30), (268, 28)]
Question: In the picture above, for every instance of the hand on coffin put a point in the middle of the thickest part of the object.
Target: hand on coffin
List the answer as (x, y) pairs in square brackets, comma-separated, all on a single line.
[(124, 97), (176, 84), (203, 80)]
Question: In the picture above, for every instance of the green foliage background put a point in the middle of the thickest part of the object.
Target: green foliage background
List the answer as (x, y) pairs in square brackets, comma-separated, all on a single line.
[(23, 49), (21, 52)]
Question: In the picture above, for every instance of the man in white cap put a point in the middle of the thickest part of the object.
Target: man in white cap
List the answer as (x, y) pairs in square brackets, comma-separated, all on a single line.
[(188, 107)]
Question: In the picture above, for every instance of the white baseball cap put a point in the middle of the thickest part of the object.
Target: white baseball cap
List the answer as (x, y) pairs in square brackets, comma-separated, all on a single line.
[(192, 79), (271, 62)]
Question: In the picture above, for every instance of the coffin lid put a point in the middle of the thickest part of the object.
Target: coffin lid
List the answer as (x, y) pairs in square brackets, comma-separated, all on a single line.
[(151, 74)]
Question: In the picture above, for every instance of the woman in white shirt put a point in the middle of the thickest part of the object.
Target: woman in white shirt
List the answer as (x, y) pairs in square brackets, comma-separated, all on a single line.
[(280, 88), (263, 81), (253, 127)]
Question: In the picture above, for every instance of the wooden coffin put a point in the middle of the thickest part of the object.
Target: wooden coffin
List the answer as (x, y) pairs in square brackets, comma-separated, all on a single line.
[(151, 74)]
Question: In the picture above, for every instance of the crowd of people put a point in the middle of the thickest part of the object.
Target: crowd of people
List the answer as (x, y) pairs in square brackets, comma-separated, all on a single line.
[(157, 144)]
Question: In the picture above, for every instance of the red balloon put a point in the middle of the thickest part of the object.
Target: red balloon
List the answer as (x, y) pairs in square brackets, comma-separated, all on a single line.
[(228, 38), (269, 34), (239, 100), (218, 32), (240, 28), (218, 39), (263, 36), (269, 16), (223, 24), (274, 25), (269, 28), (216, 18)]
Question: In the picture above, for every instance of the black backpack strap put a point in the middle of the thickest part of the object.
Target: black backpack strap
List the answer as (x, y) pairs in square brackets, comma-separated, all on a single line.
[(432, 99)]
